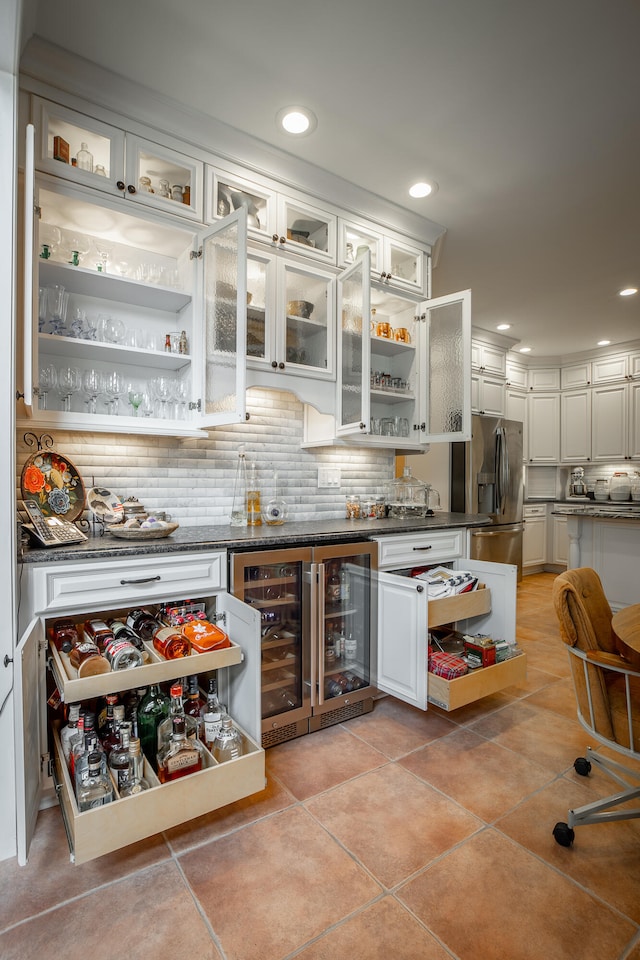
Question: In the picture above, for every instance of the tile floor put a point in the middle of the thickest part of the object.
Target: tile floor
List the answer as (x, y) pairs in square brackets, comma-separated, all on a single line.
[(396, 835)]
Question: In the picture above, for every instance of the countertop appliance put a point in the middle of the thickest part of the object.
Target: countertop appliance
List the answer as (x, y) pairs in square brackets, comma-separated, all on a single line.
[(317, 633), (487, 477)]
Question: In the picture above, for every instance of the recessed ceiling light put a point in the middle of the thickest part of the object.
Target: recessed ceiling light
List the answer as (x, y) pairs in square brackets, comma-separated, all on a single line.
[(604, 343), (525, 349), (422, 189), (298, 121), (503, 326), (627, 292)]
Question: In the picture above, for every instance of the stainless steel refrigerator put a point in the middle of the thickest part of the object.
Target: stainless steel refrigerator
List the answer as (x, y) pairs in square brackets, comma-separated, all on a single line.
[(487, 477)]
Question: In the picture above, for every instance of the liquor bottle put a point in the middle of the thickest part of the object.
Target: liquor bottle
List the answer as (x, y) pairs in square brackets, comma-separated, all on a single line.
[(254, 512), (176, 709), (180, 755), (95, 789), (136, 782), (76, 740), (70, 730), (64, 634), (121, 654), (143, 623), (105, 715), (350, 649), (333, 586), (153, 708), (81, 745), (87, 659), (345, 585), (212, 713), (81, 766), (170, 643), (121, 631), (111, 738), (228, 742), (84, 158), (119, 756), (194, 703), (99, 632)]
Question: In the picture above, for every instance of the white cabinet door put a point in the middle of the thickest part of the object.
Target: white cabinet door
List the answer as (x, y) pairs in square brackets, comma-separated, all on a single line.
[(488, 358), (634, 424), (534, 541), (402, 638), (30, 731), (516, 409), (488, 395), (560, 550), (445, 379), (577, 375), (608, 369), (575, 426), (517, 375), (353, 401), (609, 417), (544, 378), (543, 417)]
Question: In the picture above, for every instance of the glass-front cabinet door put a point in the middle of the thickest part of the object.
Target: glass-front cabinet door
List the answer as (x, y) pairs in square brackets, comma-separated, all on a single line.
[(445, 345), (228, 191), (306, 229), (305, 332), (352, 415), (163, 178), (355, 239), (404, 264)]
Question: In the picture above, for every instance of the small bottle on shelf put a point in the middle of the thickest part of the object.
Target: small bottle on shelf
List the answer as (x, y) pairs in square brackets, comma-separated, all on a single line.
[(136, 782), (254, 513), (119, 756), (70, 730), (84, 158), (228, 742), (111, 738), (95, 789), (176, 709), (194, 703), (152, 710), (211, 715), (180, 755), (143, 623), (333, 585)]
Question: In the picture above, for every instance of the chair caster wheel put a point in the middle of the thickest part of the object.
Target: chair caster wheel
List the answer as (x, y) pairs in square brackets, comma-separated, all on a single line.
[(563, 834), (582, 766)]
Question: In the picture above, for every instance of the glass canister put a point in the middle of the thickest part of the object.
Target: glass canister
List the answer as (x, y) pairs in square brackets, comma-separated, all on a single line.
[(620, 487), (407, 496), (352, 506), (601, 489), (635, 486)]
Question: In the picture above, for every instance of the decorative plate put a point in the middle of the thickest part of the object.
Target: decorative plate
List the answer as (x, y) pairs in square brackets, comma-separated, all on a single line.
[(105, 505), (140, 533), (54, 482)]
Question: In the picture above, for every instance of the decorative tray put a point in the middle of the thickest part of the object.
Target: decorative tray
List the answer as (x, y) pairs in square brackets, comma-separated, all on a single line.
[(140, 533)]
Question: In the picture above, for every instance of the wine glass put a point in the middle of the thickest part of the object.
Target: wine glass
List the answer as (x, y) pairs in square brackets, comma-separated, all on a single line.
[(77, 247), (103, 251), (92, 387), (48, 380), (49, 240), (181, 396), (69, 382), (114, 388), (162, 391), (57, 303), (136, 397)]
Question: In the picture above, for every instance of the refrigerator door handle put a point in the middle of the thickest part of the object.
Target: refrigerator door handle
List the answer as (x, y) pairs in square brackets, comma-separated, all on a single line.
[(502, 468), (317, 633)]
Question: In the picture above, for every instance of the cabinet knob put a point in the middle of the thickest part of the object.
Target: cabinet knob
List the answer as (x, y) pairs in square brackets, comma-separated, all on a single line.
[(131, 188), (274, 237), (362, 426), (120, 184), (281, 366), (274, 364)]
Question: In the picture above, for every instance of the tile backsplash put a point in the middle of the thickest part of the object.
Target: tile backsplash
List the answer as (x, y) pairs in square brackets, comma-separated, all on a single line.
[(193, 479)]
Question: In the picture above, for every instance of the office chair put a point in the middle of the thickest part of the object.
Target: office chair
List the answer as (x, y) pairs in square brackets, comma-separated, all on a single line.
[(607, 692)]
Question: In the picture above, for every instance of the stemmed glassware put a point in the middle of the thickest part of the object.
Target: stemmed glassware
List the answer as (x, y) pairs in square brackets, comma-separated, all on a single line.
[(92, 387), (69, 382), (181, 396), (135, 396), (48, 381), (114, 388), (162, 391), (57, 303)]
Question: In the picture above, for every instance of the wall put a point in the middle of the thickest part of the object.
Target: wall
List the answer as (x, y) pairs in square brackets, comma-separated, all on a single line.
[(193, 479)]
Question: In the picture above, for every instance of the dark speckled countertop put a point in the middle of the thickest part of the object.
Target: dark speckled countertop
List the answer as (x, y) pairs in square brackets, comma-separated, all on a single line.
[(224, 537)]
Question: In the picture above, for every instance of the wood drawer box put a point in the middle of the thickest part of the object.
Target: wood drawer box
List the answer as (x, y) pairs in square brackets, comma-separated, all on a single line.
[(460, 607), (96, 832), (66, 586), (452, 694), (415, 549)]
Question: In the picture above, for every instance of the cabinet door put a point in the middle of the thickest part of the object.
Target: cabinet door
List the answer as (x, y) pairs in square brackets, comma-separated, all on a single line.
[(354, 239), (227, 192), (607, 369), (577, 375), (489, 359), (516, 375), (575, 426), (402, 639), (560, 552), (445, 377), (61, 135), (307, 230), (490, 396), (354, 353), (404, 265), (502, 579), (28, 365), (30, 731), (221, 341), (163, 178), (305, 325), (544, 379), (609, 419), (534, 541), (543, 417), (516, 409), (634, 425)]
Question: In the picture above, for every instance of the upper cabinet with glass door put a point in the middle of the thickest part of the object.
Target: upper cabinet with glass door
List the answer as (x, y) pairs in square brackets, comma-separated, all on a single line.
[(86, 151), (286, 221), (136, 319), (394, 261)]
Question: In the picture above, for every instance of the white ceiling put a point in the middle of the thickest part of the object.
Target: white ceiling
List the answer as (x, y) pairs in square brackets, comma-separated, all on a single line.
[(525, 114)]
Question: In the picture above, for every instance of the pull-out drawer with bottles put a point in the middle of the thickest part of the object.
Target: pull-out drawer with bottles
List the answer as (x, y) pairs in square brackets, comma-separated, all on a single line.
[(405, 615), (92, 833)]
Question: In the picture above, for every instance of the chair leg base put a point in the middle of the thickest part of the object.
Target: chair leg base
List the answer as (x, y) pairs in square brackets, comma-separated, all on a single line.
[(600, 811)]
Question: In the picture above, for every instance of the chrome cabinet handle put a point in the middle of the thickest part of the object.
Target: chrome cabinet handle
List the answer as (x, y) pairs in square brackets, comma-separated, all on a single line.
[(141, 580)]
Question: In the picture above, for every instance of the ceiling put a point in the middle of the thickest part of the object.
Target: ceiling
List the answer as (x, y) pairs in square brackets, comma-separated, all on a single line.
[(525, 114)]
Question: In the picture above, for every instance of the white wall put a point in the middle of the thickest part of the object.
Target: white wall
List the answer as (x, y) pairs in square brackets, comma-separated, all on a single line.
[(433, 468)]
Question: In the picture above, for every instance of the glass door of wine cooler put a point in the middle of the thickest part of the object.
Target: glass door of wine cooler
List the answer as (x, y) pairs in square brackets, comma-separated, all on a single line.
[(277, 583), (344, 627)]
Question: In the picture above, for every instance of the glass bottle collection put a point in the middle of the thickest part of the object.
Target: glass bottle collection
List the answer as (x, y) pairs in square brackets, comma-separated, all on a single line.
[(123, 744)]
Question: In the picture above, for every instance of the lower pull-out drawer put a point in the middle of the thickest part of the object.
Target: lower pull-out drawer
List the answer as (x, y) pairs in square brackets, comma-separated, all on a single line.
[(452, 694), (104, 829)]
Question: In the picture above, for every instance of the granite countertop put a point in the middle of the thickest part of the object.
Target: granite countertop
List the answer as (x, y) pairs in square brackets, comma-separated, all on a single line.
[(224, 537), (612, 511)]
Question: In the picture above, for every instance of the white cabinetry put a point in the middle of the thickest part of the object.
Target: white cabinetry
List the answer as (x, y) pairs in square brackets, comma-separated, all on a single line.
[(609, 415), (487, 358), (559, 553), (488, 395), (543, 418), (576, 375), (534, 540), (95, 587), (575, 426), (394, 261), (544, 379), (608, 369), (121, 162), (405, 615)]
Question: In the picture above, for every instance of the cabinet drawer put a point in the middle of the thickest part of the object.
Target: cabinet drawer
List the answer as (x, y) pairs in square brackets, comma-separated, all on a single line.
[(451, 694), (96, 832), (540, 511), (63, 586), (417, 548), (74, 688), (461, 607)]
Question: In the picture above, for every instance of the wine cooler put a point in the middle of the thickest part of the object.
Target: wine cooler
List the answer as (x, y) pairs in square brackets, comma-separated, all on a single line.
[(317, 613)]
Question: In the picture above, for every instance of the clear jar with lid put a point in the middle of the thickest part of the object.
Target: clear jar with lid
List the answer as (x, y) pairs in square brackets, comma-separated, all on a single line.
[(367, 509), (352, 507), (407, 496), (380, 508), (620, 487)]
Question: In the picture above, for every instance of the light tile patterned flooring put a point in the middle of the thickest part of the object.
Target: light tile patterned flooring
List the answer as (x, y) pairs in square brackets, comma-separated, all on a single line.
[(396, 835)]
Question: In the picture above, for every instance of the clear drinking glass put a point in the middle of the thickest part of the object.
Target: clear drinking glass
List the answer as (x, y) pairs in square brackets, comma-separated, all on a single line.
[(69, 382), (135, 396), (114, 388), (162, 391), (57, 303), (47, 381), (92, 387)]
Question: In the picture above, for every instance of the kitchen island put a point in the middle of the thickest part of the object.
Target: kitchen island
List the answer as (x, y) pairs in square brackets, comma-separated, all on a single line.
[(201, 538), (606, 537)]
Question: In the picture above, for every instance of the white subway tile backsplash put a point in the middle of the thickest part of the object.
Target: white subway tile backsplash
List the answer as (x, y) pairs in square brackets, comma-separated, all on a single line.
[(193, 479)]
